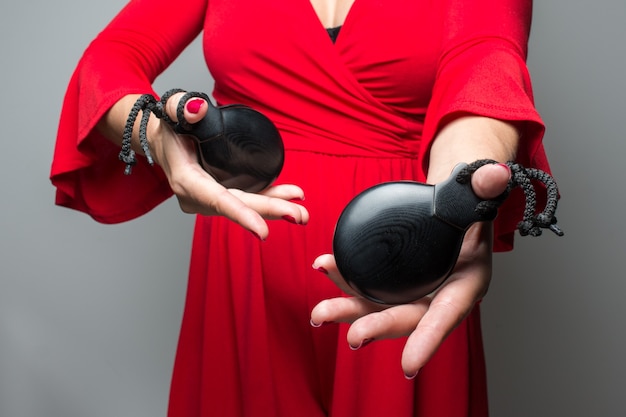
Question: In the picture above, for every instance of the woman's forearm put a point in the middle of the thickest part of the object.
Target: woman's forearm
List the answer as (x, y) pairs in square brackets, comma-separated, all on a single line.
[(112, 124), (469, 138)]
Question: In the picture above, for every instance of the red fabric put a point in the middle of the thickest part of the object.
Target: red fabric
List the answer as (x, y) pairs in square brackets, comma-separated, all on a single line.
[(124, 59), (352, 114)]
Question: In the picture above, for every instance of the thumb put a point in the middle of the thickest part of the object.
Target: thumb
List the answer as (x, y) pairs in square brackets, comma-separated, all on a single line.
[(491, 180), (195, 108)]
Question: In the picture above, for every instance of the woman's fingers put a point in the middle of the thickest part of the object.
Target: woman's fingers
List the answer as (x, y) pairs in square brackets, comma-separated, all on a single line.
[(285, 200), (203, 195), (454, 300), (427, 321), (285, 192), (369, 320), (200, 193), (195, 108), (445, 312), (390, 323), (327, 265), (276, 204), (491, 180)]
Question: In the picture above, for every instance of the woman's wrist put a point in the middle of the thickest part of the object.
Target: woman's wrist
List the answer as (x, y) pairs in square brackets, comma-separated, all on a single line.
[(155, 133), (114, 122), (468, 138)]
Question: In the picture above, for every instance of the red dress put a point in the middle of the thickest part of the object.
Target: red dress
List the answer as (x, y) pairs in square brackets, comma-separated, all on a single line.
[(352, 114)]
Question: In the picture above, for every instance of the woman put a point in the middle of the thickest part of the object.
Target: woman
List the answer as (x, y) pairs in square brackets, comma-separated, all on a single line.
[(406, 91)]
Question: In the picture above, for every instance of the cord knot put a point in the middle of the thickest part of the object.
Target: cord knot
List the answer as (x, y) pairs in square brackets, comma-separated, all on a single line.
[(147, 104), (532, 223)]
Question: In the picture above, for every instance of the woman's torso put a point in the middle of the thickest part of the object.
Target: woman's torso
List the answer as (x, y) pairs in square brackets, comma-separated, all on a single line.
[(365, 94)]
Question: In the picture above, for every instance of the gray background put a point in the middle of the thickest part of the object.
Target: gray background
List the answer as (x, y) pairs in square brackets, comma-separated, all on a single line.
[(89, 314)]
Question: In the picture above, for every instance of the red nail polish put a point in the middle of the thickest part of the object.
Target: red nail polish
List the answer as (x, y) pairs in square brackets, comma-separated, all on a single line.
[(321, 269), (194, 106), (256, 235), (505, 166), (290, 219)]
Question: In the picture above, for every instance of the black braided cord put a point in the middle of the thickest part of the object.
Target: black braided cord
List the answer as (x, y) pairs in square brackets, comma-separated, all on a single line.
[(148, 104), (531, 224)]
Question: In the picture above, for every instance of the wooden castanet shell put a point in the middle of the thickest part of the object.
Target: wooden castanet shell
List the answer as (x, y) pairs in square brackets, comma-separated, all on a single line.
[(239, 146), (398, 241)]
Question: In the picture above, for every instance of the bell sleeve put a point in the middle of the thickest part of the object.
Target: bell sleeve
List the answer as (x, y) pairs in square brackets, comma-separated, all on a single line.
[(125, 58), (482, 70)]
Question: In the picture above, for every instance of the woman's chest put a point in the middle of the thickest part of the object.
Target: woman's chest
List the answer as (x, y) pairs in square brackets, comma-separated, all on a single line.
[(391, 52)]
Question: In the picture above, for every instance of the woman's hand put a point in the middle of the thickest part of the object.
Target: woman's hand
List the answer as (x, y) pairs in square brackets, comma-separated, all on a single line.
[(429, 320), (196, 190)]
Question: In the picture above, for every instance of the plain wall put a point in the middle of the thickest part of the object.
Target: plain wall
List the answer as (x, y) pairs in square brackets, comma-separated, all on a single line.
[(89, 314)]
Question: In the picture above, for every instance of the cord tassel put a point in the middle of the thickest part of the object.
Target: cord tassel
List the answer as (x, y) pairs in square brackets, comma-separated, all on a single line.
[(148, 104), (531, 224)]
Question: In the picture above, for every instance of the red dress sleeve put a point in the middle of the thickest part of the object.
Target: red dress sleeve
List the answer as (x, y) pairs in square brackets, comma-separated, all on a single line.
[(125, 58), (482, 70)]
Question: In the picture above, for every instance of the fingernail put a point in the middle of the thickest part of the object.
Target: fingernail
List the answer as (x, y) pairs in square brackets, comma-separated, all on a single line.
[(324, 323), (255, 234), (410, 377), (194, 106), (320, 269), (363, 343), (290, 219), (505, 166)]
